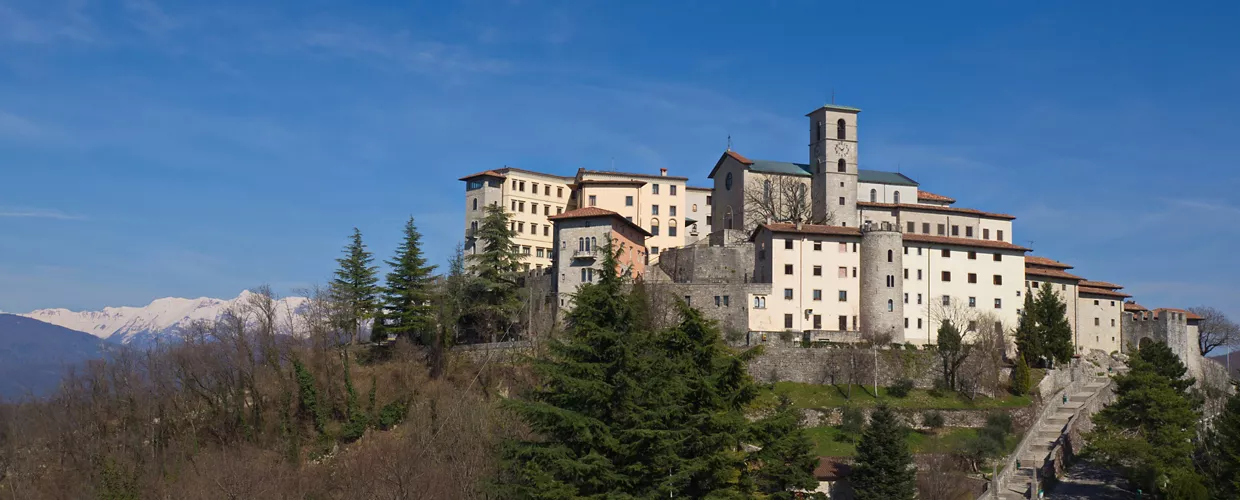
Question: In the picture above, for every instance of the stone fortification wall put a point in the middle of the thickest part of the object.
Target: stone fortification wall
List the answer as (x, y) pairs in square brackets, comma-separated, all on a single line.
[(709, 264), (882, 282), (825, 365)]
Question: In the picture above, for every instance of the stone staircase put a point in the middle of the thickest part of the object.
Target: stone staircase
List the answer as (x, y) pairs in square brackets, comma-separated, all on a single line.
[(1046, 434)]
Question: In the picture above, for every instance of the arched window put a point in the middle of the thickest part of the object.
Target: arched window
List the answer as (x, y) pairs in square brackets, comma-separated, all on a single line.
[(841, 166), (817, 133), (766, 191), (654, 227), (840, 132), (891, 305), (671, 227), (475, 204), (896, 197), (873, 195), (594, 243), (581, 244), (890, 255)]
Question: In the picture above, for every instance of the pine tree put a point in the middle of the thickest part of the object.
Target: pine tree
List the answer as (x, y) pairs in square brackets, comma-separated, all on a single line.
[(952, 352), (1147, 432), (785, 460), (1028, 335), (451, 300), (494, 291), (884, 468), (1053, 326), (1020, 377), (355, 287), (407, 296), (1222, 451)]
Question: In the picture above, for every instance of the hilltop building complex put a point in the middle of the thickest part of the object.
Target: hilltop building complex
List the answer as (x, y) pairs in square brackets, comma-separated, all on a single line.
[(824, 249)]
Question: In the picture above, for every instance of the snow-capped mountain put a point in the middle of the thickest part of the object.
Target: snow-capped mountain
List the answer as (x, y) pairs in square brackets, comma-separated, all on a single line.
[(161, 318)]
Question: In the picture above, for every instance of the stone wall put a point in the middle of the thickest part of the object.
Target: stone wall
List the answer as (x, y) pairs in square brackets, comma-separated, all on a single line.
[(709, 264), (913, 418), (826, 365)]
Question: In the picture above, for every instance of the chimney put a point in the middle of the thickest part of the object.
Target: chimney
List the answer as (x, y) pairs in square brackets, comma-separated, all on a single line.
[(663, 172)]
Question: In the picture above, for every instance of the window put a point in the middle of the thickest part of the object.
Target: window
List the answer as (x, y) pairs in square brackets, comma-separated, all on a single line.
[(972, 301), (1035, 284), (906, 323), (843, 272), (628, 201), (896, 197), (759, 302), (514, 184), (514, 205), (843, 247), (919, 299), (985, 234), (972, 326), (817, 321), (520, 227), (475, 204), (710, 220), (891, 281), (891, 305), (998, 279), (475, 184), (1097, 322), (840, 131), (919, 275), (787, 268), (905, 273), (787, 294), (919, 323), (473, 226), (873, 196), (817, 270), (559, 192), (787, 321), (539, 252), (817, 294), (906, 297), (999, 235), (708, 200), (947, 253), (854, 272), (673, 189), (654, 227), (890, 256), (671, 227), (841, 166), (843, 323), (654, 210), (547, 190), (533, 208), (925, 229), (972, 255), (654, 188), (533, 228), (973, 278), (942, 229), (998, 257), (912, 227), (843, 296), (918, 250), (841, 198), (525, 250), (788, 244), (817, 246), (955, 230), (718, 301), (1112, 322), (1095, 302), (593, 200), (947, 300), (546, 209), (654, 250)]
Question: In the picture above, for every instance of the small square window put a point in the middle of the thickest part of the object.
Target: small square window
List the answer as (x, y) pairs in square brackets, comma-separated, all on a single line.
[(841, 201), (654, 188), (671, 211), (787, 268), (972, 255), (654, 209), (628, 201), (998, 257), (843, 272), (947, 253), (973, 278), (942, 229), (972, 301), (998, 303), (947, 300), (818, 246), (817, 294), (968, 231), (593, 200), (925, 228), (912, 227), (843, 295), (999, 235), (998, 279), (946, 276), (672, 189), (787, 294), (787, 321), (817, 270), (788, 244), (985, 234), (955, 230)]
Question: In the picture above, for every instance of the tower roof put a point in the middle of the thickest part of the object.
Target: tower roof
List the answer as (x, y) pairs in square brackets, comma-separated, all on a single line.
[(835, 107)]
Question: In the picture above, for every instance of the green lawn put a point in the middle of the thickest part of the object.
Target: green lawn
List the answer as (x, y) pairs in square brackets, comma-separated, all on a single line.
[(814, 396), (827, 442)]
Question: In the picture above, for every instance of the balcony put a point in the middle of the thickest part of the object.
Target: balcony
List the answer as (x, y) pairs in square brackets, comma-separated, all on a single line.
[(585, 254)]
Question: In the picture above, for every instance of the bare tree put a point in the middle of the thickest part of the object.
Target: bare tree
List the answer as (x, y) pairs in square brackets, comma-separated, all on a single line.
[(940, 477), (957, 311), (782, 199), (980, 372), (1215, 330)]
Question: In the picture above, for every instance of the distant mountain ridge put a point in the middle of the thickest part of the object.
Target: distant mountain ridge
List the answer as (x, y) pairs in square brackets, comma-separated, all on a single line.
[(161, 319), (34, 355)]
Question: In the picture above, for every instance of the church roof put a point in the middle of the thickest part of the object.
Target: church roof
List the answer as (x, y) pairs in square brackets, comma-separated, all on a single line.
[(803, 170)]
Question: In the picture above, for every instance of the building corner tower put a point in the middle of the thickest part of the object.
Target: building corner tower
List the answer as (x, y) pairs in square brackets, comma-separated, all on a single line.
[(882, 284), (833, 163)]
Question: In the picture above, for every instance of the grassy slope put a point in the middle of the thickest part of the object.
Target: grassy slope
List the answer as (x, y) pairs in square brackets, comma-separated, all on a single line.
[(830, 396)]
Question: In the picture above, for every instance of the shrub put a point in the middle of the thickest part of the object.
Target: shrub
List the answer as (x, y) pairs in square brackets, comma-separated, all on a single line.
[(909, 346), (940, 388), (1019, 384), (932, 419), (901, 388), (896, 345), (392, 413)]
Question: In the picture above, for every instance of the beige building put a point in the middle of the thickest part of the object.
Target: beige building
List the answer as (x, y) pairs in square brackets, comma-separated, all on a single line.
[(530, 198), (656, 203), (699, 217), (1041, 272), (1100, 311), (582, 235)]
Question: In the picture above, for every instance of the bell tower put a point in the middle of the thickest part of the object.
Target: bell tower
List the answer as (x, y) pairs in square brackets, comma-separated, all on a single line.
[(833, 161)]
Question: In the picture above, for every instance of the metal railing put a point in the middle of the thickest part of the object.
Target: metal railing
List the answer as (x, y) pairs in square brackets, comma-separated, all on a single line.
[(585, 254)]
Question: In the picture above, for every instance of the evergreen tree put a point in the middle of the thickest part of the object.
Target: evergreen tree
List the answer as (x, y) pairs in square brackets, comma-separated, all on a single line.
[(1028, 337), (407, 297), (786, 459), (451, 300), (1053, 326), (355, 287), (884, 468), (494, 291), (1147, 431), (1221, 459), (952, 352), (1020, 377)]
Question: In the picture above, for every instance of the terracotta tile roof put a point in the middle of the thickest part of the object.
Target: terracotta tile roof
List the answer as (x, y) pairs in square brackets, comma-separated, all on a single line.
[(1101, 284), (617, 182), (1193, 316), (587, 212), (964, 242), (1034, 260), (928, 196), (1131, 306), (809, 229), (696, 188), (726, 154), (935, 208), (487, 173), (629, 174), (1101, 291), (1050, 273), (738, 157), (831, 469)]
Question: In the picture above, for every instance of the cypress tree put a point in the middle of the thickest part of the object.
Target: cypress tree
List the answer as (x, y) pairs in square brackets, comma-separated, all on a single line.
[(1147, 432), (884, 468), (1222, 451), (952, 352), (407, 295), (355, 287), (1028, 338), (1020, 377), (1053, 326), (495, 268)]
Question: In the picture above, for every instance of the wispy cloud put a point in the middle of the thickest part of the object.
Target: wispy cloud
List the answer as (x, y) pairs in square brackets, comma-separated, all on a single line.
[(57, 21), (37, 213), (147, 16), (17, 127), (400, 50)]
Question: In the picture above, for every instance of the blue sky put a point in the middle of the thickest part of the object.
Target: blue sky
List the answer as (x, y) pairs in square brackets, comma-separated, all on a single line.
[(153, 149)]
